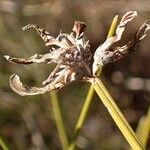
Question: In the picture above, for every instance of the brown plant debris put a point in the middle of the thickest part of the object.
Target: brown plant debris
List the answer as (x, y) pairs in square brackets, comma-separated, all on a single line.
[(72, 56)]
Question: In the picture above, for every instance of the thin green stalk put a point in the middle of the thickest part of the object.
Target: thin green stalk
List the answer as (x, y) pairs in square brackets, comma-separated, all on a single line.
[(82, 117), (112, 27), (59, 120), (89, 96), (143, 129), (3, 145), (116, 114), (84, 112)]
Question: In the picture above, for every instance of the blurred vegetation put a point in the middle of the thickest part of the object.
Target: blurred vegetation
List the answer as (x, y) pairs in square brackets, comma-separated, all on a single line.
[(28, 122)]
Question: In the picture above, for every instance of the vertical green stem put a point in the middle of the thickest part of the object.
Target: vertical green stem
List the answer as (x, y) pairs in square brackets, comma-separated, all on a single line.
[(89, 96), (143, 128), (82, 117), (59, 120), (116, 114), (3, 144), (84, 111)]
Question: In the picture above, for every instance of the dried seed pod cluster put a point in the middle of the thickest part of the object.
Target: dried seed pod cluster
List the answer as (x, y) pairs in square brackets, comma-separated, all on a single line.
[(71, 52)]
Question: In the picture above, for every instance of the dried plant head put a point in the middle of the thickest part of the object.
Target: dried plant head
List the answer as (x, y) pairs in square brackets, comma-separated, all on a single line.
[(72, 56), (107, 53)]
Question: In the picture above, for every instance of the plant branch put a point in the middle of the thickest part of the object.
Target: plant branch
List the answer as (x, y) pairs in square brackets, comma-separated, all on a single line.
[(116, 114), (143, 128), (3, 145), (89, 96), (59, 120), (82, 117)]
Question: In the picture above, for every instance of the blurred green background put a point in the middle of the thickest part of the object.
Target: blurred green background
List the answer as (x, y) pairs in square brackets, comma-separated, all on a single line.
[(27, 123)]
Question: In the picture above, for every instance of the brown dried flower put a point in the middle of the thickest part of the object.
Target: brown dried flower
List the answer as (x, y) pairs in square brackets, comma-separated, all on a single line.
[(107, 53), (73, 56)]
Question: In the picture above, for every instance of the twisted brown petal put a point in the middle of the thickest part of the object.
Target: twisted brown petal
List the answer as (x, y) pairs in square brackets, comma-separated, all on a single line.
[(120, 52), (78, 28), (114, 54), (24, 90), (142, 32), (37, 58), (57, 81), (47, 38), (129, 16), (41, 31), (103, 52)]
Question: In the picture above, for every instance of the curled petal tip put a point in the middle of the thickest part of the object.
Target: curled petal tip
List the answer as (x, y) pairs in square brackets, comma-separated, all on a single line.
[(24, 28), (147, 23), (134, 13), (6, 57), (128, 17), (24, 90), (16, 84), (28, 26)]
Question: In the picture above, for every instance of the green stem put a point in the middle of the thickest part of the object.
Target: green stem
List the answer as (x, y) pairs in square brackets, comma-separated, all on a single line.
[(59, 120), (143, 129), (3, 144), (116, 114), (89, 96), (112, 27), (82, 117)]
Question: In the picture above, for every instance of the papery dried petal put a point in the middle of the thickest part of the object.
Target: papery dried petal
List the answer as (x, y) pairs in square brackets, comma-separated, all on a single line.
[(60, 79), (45, 35), (52, 74), (119, 52), (61, 74), (103, 53), (78, 28), (24, 90), (37, 58), (47, 38), (142, 32), (129, 16)]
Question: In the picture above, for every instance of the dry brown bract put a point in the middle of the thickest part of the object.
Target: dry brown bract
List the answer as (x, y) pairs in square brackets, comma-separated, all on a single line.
[(71, 52)]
